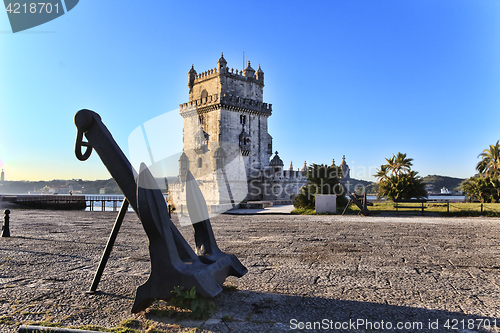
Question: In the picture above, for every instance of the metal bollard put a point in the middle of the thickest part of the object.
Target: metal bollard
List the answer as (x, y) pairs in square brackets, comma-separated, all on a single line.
[(5, 227)]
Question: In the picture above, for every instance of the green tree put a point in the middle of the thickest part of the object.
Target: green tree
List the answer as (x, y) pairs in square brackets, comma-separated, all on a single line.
[(396, 180), (398, 164), (485, 186), (482, 188), (322, 179), (490, 161)]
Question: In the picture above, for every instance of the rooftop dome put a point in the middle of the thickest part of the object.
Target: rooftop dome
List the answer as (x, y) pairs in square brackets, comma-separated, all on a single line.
[(249, 71), (222, 60), (276, 161)]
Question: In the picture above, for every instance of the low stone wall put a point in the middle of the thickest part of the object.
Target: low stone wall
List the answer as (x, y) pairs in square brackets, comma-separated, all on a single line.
[(256, 204)]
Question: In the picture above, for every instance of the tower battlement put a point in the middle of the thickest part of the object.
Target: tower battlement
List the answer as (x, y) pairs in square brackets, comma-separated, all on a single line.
[(230, 72), (224, 81), (206, 75)]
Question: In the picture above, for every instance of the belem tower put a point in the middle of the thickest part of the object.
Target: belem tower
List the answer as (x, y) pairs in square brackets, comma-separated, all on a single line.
[(227, 146)]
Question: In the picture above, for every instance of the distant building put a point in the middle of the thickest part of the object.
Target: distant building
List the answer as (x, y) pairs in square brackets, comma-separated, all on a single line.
[(2, 176), (346, 171), (65, 189)]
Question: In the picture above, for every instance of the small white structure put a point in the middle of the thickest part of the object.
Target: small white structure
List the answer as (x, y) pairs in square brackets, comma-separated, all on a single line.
[(326, 203), (444, 190)]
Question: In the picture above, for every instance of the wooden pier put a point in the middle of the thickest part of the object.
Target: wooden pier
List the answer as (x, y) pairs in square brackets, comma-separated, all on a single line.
[(66, 202)]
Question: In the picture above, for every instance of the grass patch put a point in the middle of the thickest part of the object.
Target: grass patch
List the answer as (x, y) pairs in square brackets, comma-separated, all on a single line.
[(303, 211), (6, 320), (453, 209), (45, 323), (306, 211), (131, 323), (184, 304)]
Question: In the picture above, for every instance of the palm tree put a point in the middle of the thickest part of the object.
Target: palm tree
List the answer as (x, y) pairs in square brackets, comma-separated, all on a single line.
[(382, 173), (490, 161), (477, 188), (399, 163), (398, 181)]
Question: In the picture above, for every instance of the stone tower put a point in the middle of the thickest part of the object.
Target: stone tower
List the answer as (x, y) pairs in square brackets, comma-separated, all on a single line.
[(225, 124)]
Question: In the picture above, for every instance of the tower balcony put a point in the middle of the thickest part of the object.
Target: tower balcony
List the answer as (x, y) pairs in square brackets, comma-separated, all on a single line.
[(231, 102)]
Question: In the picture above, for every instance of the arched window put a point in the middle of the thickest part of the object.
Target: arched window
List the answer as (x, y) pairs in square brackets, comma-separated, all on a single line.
[(200, 162), (219, 156), (201, 141), (204, 95)]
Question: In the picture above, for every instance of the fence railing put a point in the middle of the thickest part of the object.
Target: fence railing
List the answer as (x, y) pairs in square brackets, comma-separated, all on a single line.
[(94, 201)]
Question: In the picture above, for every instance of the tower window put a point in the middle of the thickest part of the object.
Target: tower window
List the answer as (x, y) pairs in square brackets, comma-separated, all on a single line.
[(204, 94), (243, 119), (200, 162)]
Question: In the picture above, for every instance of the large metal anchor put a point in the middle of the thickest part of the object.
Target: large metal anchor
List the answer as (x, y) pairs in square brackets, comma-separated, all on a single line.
[(173, 261)]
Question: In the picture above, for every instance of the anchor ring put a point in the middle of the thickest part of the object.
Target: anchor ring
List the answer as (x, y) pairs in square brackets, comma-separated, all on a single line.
[(78, 147)]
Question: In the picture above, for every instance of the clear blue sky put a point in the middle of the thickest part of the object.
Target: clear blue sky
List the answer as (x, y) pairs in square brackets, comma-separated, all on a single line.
[(364, 78)]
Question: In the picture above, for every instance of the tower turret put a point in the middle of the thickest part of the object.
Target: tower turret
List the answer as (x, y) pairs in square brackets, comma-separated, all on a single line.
[(345, 169), (249, 71), (276, 165), (260, 75), (183, 167), (276, 161), (192, 77), (221, 64)]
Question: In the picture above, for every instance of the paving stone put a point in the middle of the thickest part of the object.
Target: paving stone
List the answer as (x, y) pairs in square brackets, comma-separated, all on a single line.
[(303, 270)]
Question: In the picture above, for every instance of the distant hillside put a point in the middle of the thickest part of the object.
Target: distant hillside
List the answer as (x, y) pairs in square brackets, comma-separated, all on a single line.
[(57, 185), (438, 182), (77, 186), (360, 181), (109, 186), (370, 187), (435, 182)]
